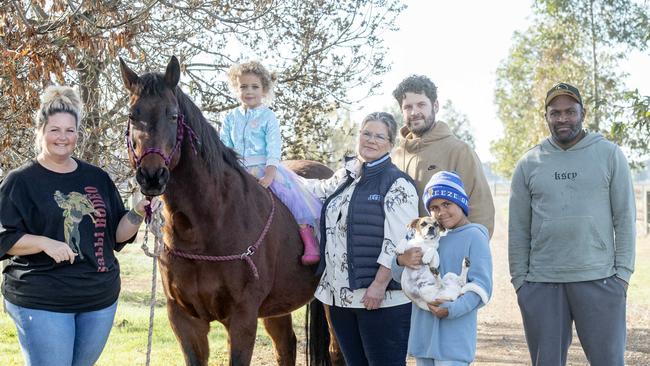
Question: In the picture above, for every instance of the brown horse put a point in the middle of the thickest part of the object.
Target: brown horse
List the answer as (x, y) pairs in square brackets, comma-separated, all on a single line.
[(232, 250)]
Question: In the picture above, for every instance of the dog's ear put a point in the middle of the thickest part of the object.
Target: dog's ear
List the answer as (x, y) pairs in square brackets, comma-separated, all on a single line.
[(441, 228), (414, 224)]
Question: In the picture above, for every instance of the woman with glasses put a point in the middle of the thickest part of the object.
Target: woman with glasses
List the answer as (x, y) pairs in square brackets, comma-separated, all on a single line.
[(367, 206)]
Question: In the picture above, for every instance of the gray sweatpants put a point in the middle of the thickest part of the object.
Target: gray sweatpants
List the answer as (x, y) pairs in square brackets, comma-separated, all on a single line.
[(597, 308)]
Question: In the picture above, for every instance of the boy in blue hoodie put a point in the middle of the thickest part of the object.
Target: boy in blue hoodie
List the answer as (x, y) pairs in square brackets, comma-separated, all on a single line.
[(446, 335)]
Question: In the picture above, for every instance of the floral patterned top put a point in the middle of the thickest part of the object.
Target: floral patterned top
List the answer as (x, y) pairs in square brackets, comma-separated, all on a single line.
[(400, 207)]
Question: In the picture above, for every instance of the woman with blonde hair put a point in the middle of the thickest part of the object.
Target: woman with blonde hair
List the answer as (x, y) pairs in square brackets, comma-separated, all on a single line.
[(61, 219)]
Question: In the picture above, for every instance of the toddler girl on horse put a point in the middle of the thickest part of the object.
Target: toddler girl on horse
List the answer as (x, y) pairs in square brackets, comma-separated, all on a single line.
[(254, 133)]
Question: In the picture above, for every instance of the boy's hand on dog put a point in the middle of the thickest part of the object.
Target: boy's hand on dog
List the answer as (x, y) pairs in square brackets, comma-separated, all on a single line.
[(437, 310), (411, 258)]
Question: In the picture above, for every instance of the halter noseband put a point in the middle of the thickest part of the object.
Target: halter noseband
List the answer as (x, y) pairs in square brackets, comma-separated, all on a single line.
[(180, 133)]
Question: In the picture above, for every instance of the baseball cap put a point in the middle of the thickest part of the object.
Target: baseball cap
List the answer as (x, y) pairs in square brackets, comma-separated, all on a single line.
[(563, 89)]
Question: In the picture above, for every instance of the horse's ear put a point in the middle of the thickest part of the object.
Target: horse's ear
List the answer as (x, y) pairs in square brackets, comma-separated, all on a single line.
[(129, 77), (173, 73)]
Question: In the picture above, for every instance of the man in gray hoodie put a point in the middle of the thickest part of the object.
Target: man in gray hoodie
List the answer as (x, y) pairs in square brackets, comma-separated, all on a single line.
[(572, 238)]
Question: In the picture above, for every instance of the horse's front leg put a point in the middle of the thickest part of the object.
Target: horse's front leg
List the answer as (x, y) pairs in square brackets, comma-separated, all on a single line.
[(242, 328), (336, 355), (191, 333)]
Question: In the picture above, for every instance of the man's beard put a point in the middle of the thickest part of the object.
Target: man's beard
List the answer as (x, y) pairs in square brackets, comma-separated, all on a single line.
[(565, 138), (428, 123)]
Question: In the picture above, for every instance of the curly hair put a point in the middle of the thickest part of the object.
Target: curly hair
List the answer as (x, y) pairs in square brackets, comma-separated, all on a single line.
[(416, 84), (57, 99), (256, 68)]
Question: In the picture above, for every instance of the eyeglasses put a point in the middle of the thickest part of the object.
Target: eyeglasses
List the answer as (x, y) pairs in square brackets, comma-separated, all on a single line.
[(367, 136)]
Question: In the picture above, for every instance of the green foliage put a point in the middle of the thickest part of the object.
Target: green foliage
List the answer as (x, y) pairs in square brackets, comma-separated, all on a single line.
[(560, 45), (615, 22), (342, 139), (127, 344), (458, 123)]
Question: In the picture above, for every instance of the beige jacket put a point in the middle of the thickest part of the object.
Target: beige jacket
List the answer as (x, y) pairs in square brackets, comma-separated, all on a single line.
[(438, 149)]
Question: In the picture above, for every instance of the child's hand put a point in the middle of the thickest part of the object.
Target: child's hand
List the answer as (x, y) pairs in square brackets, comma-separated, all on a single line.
[(411, 258), (269, 175), (266, 181), (437, 310)]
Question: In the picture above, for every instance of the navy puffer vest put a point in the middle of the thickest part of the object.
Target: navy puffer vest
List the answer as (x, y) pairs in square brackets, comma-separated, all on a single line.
[(365, 221)]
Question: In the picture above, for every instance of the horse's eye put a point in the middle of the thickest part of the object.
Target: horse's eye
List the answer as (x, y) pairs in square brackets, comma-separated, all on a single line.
[(173, 117)]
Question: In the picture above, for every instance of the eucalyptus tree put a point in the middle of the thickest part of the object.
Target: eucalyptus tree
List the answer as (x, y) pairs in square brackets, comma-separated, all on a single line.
[(458, 122), (559, 46)]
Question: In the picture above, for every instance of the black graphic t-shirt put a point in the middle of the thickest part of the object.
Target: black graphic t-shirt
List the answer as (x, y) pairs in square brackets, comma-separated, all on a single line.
[(82, 209)]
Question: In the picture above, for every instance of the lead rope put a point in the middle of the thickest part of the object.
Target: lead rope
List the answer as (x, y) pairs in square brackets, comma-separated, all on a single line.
[(154, 223)]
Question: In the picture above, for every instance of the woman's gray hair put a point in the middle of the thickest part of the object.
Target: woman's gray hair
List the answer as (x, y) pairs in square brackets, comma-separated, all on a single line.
[(385, 118), (57, 99)]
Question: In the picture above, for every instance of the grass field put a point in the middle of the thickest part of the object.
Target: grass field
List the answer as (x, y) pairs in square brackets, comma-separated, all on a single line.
[(501, 339), (127, 344)]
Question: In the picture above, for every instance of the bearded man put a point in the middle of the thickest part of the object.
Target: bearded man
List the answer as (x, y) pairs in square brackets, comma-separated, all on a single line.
[(572, 238), (428, 146)]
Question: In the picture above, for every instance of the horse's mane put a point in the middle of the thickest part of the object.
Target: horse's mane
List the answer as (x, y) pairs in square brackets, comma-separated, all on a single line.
[(213, 152)]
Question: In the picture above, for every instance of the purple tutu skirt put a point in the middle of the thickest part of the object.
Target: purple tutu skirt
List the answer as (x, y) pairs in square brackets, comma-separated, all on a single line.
[(304, 206)]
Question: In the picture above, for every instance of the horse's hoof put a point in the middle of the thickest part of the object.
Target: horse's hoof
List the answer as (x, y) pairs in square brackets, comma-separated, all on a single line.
[(308, 260)]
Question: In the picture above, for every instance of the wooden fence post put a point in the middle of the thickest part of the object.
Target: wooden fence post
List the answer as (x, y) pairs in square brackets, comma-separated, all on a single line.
[(646, 209)]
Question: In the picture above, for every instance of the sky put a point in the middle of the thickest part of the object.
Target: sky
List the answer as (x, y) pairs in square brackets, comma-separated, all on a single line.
[(459, 45)]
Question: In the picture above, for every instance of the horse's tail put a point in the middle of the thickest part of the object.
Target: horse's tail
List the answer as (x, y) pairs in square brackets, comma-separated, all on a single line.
[(318, 337)]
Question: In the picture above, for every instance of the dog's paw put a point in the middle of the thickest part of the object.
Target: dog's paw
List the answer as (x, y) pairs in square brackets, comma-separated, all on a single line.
[(466, 262), (427, 257)]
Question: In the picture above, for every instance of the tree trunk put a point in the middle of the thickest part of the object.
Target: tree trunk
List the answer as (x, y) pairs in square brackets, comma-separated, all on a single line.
[(595, 124)]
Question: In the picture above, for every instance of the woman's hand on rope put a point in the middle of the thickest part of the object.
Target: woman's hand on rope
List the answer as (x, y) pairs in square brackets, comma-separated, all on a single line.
[(140, 208)]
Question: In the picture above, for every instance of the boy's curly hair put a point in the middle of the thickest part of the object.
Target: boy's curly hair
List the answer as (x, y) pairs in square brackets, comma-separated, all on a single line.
[(256, 68), (416, 84)]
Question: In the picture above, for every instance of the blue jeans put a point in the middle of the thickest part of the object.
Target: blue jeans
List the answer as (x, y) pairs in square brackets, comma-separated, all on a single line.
[(49, 338), (373, 337), (432, 362)]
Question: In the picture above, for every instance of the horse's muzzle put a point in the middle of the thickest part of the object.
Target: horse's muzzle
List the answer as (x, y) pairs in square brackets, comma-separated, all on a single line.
[(152, 182)]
